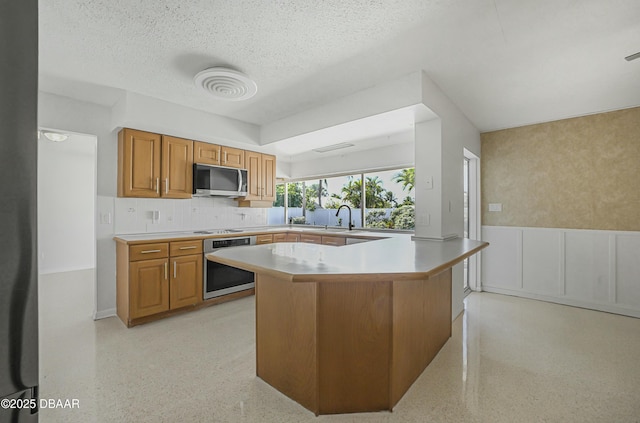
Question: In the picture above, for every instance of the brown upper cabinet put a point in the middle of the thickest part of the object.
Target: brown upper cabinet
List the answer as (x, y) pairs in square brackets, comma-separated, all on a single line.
[(232, 157), (177, 167), (218, 155), (205, 153), (261, 186), (154, 165)]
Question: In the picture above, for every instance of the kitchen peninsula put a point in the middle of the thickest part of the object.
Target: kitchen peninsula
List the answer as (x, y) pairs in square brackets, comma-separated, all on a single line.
[(349, 329)]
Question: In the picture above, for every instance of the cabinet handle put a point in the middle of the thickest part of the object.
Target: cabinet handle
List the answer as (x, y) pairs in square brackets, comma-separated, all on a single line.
[(150, 251), (175, 275), (188, 248), (166, 186), (158, 185), (225, 157), (165, 270)]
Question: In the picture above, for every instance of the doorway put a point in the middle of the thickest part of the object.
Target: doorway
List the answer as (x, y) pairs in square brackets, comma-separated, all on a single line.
[(471, 230), (67, 185)]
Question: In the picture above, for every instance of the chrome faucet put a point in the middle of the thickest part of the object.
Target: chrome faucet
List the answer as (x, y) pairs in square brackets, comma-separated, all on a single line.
[(351, 225)]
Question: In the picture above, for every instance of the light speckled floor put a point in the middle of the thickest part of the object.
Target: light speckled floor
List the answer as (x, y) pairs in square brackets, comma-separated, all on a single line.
[(509, 360)]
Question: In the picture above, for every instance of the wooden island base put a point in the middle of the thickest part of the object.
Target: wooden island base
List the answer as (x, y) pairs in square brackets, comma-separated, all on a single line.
[(349, 346)]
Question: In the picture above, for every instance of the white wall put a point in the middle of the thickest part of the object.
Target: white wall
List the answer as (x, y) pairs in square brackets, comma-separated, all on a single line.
[(594, 269), (154, 115), (66, 204), (395, 156), (381, 98), (439, 211)]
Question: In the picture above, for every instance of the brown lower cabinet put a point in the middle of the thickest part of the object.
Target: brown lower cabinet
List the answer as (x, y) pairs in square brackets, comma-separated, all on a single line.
[(149, 288), (153, 279), (185, 277), (156, 278)]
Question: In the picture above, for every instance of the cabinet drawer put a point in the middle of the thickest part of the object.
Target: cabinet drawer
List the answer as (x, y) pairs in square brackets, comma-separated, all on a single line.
[(185, 248), (264, 239), (312, 239), (292, 238), (232, 157), (149, 251), (279, 237), (333, 240)]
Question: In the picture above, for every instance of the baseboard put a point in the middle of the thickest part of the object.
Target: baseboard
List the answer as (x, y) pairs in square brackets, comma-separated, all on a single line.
[(103, 314), (64, 270), (609, 308)]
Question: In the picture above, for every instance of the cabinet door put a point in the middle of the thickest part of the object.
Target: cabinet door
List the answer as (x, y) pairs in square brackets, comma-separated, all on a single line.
[(279, 237), (206, 153), (138, 163), (254, 174), (186, 281), (232, 157), (268, 172), (149, 287), (177, 167)]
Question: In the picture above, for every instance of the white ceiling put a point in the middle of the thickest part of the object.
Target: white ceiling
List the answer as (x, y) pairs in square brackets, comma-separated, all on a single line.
[(505, 63)]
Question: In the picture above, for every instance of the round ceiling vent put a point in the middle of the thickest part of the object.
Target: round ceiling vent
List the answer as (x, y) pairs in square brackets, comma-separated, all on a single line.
[(226, 84)]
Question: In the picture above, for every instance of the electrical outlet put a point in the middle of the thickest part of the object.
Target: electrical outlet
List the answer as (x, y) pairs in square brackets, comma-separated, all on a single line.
[(428, 182), (495, 207)]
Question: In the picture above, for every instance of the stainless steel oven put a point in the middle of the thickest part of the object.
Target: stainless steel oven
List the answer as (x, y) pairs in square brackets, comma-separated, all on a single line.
[(220, 279)]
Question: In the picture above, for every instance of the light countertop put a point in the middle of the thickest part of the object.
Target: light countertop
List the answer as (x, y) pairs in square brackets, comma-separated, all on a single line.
[(183, 235), (397, 257)]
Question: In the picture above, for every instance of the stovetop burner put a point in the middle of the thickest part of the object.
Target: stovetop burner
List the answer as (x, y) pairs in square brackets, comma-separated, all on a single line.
[(218, 231)]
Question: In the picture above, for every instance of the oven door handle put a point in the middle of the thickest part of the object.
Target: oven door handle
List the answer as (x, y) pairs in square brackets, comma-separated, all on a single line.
[(239, 181)]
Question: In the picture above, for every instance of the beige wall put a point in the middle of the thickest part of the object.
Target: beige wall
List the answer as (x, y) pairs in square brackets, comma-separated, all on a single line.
[(580, 173)]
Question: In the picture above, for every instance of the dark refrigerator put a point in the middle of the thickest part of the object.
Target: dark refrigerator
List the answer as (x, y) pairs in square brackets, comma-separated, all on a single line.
[(18, 236)]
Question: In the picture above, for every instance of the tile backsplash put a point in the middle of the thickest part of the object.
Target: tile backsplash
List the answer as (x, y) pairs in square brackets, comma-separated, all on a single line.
[(140, 215)]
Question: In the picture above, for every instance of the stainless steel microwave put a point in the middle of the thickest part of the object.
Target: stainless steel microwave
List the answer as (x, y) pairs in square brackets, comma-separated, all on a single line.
[(219, 181)]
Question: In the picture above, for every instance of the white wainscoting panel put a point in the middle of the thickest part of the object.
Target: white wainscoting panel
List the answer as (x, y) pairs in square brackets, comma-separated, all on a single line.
[(501, 262), (587, 266), (541, 247), (593, 269), (627, 270)]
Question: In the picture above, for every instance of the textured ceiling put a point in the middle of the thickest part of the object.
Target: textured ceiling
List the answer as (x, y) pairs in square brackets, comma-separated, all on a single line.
[(504, 63)]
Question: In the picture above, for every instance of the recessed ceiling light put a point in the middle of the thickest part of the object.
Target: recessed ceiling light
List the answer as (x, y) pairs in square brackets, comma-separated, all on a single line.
[(226, 84), (55, 136), (632, 57), (333, 147)]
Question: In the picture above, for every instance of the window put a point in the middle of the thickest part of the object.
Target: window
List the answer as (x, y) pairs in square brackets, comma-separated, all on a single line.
[(389, 200)]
